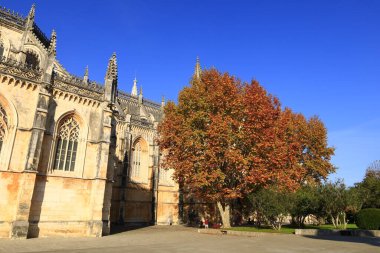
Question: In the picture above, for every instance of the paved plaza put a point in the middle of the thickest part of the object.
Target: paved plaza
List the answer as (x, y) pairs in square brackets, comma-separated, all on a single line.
[(181, 239)]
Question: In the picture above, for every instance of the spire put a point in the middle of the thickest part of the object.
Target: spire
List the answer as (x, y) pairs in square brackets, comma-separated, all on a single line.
[(162, 102), (140, 95), (85, 77), (86, 71), (30, 18), (112, 68), (134, 88), (198, 70), (53, 43), (110, 85), (32, 12)]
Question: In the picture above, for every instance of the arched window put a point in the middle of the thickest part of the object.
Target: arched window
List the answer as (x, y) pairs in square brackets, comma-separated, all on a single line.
[(164, 175), (1, 49), (67, 145), (31, 60), (3, 126), (136, 160)]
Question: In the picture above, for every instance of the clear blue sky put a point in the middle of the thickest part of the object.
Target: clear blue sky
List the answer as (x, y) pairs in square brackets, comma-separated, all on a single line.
[(319, 57)]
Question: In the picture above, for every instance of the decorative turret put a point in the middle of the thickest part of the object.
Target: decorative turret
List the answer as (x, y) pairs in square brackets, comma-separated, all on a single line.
[(30, 18), (85, 77), (112, 68), (198, 70), (134, 88), (53, 43), (162, 103), (110, 92), (140, 95)]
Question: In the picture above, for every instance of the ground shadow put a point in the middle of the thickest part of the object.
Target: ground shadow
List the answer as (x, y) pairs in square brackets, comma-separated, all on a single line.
[(374, 241), (120, 228)]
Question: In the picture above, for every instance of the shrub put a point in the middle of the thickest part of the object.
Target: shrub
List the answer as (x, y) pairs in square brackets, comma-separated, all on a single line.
[(368, 218)]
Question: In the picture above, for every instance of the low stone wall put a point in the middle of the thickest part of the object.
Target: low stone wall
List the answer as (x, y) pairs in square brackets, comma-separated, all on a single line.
[(307, 232), (338, 232), (236, 233)]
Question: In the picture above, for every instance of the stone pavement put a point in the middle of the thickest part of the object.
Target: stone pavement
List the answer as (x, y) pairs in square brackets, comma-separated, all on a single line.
[(181, 239)]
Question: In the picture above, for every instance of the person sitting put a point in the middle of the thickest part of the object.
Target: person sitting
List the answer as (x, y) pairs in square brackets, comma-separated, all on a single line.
[(206, 223)]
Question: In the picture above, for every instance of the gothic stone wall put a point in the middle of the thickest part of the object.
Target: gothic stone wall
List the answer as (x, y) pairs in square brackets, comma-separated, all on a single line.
[(167, 206), (40, 202), (15, 181), (69, 203)]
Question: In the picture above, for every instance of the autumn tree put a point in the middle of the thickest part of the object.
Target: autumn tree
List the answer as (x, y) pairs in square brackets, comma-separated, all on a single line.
[(225, 139)]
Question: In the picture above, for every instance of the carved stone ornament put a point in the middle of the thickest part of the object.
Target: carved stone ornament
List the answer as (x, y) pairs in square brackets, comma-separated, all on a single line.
[(16, 68)]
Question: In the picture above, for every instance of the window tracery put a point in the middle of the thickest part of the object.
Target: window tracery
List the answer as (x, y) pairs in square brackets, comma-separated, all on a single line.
[(67, 145), (136, 160), (31, 60), (1, 49), (3, 126)]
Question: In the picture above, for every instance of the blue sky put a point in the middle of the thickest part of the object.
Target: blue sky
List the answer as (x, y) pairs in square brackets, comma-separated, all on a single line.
[(319, 57)]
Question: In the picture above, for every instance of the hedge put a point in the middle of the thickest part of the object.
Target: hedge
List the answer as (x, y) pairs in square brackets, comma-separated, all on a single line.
[(368, 219)]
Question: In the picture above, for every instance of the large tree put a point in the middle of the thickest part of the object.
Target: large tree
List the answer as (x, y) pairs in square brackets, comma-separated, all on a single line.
[(226, 138)]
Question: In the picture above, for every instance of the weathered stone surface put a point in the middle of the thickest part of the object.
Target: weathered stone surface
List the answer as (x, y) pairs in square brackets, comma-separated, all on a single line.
[(19, 229), (111, 180)]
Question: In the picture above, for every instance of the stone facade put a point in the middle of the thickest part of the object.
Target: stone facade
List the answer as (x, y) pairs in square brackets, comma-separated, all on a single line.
[(75, 156)]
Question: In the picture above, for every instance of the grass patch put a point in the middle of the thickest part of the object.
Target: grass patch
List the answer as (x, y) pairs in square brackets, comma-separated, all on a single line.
[(286, 229)]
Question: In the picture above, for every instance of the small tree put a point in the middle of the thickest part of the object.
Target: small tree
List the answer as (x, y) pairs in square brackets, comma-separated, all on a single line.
[(369, 188), (271, 205), (337, 201), (305, 202)]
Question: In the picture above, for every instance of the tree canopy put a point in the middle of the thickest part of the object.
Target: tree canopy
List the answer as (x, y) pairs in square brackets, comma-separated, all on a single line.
[(225, 138), (369, 187)]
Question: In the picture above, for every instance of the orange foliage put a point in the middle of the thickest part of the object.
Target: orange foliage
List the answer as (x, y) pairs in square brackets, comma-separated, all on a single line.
[(225, 138)]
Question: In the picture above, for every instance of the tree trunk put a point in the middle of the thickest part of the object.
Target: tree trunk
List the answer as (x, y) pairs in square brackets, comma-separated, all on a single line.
[(344, 220), (333, 220), (224, 210), (337, 221)]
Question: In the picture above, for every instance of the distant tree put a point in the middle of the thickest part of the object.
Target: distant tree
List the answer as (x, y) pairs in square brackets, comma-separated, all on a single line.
[(304, 202), (337, 200), (271, 206), (369, 188), (225, 139)]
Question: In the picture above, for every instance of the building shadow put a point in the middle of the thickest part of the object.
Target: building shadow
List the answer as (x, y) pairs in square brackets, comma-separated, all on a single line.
[(374, 241), (121, 203), (36, 206)]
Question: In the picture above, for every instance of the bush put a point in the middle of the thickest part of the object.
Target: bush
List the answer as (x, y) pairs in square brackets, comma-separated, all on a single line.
[(368, 219)]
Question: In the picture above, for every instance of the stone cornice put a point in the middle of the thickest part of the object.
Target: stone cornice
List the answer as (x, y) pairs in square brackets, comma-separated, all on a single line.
[(12, 67)]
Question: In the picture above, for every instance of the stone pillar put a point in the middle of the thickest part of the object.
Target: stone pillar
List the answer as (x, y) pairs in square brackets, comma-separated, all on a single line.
[(38, 131), (155, 182), (104, 174), (20, 225), (95, 224)]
